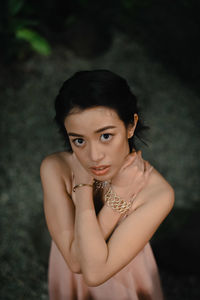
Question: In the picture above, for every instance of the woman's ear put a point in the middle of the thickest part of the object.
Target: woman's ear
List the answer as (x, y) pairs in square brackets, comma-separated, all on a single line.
[(131, 127)]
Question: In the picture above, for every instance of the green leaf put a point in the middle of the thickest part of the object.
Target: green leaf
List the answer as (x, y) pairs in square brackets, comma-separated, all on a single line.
[(15, 6), (36, 41)]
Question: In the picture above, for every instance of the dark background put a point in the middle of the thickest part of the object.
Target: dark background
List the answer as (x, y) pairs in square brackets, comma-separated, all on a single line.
[(154, 44)]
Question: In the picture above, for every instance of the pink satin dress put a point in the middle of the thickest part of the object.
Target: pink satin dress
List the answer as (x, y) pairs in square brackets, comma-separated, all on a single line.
[(139, 280)]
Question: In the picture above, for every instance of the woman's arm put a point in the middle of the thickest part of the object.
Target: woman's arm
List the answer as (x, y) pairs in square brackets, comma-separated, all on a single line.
[(82, 242), (60, 212), (107, 220), (100, 261)]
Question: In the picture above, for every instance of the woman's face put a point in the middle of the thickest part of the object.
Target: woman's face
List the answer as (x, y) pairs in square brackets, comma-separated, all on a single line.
[(99, 139)]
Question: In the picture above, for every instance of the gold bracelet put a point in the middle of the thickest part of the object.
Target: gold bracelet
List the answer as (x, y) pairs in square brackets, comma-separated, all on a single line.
[(80, 185), (116, 202)]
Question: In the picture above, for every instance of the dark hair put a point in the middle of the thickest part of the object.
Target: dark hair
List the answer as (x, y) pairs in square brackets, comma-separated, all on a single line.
[(86, 89)]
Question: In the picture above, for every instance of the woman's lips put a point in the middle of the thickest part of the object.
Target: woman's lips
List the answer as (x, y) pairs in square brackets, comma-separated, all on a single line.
[(101, 170)]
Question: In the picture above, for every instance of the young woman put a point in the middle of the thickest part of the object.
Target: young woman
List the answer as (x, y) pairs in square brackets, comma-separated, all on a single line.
[(102, 201)]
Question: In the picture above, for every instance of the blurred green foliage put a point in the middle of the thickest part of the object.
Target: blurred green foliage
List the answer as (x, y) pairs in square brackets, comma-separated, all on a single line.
[(168, 30), (38, 43), (27, 25), (16, 31)]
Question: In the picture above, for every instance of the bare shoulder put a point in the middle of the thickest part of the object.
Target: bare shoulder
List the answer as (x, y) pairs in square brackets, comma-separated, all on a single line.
[(157, 189), (156, 180), (57, 160), (56, 165)]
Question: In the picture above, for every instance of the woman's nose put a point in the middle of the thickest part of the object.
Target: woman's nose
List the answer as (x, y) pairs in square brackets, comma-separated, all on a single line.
[(95, 153)]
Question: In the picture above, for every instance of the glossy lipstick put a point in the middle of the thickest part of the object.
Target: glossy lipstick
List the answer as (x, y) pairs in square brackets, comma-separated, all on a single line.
[(100, 170)]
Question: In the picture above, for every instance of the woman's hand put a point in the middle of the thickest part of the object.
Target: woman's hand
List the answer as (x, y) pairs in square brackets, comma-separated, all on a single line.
[(131, 177), (80, 175)]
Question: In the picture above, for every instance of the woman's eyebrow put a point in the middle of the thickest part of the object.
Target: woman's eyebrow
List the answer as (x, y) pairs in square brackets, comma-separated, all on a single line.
[(96, 131), (104, 128), (75, 134)]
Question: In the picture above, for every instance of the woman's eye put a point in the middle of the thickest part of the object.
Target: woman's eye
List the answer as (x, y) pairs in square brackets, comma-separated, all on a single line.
[(106, 137), (78, 142)]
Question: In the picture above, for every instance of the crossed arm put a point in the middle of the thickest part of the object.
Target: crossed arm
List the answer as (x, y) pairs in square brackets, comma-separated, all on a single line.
[(81, 236)]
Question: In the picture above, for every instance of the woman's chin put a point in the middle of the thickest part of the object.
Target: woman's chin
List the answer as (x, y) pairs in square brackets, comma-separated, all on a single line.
[(102, 178), (107, 177)]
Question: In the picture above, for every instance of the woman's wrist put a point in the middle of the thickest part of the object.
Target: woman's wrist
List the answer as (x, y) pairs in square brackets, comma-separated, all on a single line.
[(116, 202), (81, 185), (122, 192)]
